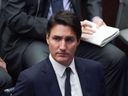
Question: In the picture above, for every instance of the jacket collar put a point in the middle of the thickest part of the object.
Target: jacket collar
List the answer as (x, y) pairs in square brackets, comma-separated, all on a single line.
[(48, 70)]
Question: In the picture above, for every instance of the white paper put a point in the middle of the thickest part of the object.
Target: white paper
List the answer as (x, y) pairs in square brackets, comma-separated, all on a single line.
[(102, 36)]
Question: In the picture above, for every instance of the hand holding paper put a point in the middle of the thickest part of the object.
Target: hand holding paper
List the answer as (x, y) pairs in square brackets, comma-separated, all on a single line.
[(88, 27), (102, 35)]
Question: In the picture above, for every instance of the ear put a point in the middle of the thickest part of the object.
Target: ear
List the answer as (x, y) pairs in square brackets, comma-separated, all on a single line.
[(78, 42), (47, 38)]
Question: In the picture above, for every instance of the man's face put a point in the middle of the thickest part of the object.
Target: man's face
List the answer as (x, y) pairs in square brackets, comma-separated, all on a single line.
[(62, 43)]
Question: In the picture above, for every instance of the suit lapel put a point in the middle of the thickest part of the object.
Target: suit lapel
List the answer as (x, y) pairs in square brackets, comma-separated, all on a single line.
[(54, 89), (83, 77)]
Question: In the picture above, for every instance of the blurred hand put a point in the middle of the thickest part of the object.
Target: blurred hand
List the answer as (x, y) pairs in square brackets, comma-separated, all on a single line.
[(90, 27), (3, 64), (98, 21)]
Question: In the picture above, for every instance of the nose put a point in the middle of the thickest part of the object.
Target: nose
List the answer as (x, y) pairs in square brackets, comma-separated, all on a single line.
[(63, 45)]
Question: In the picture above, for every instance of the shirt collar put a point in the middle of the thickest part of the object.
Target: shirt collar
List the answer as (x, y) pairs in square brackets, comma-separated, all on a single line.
[(59, 68)]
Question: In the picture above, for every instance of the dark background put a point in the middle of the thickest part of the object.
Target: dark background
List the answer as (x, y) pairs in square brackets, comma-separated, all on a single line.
[(110, 8)]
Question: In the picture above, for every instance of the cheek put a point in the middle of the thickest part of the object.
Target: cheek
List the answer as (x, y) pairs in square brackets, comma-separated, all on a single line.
[(73, 48), (53, 46)]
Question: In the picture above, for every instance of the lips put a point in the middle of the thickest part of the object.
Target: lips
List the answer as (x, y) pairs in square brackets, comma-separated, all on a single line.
[(62, 54)]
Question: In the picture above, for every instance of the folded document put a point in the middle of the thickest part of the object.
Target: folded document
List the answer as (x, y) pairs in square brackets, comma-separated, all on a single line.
[(102, 36)]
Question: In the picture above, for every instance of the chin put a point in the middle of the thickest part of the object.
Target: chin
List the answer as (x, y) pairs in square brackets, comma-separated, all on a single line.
[(63, 61)]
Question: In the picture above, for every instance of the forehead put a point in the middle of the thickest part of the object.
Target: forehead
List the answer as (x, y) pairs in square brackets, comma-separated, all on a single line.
[(62, 30)]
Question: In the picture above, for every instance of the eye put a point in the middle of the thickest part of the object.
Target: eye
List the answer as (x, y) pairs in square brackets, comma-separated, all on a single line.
[(70, 39), (56, 38)]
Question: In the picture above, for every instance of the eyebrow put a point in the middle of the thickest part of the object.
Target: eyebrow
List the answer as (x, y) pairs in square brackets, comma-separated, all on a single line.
[(62, 36)]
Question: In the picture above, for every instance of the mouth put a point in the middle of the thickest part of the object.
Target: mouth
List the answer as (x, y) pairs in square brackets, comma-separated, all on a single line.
[(62, 54)]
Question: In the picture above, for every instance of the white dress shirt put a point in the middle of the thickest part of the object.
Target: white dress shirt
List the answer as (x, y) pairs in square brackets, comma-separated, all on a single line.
[(61, 76)]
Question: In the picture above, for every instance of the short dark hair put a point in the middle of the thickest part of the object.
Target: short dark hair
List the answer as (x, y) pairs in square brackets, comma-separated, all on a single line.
[(67, 18)]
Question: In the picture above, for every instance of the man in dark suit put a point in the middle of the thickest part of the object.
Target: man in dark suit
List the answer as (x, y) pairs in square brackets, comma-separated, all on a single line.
[(23, 38), (48, 78)]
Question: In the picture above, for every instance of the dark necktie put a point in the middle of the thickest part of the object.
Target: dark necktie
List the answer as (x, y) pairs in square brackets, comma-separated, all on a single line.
[(57, 5), (67, 82)]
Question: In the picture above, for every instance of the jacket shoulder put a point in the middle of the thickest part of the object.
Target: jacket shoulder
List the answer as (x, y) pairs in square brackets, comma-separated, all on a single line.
[(36, 69), (88, 63)]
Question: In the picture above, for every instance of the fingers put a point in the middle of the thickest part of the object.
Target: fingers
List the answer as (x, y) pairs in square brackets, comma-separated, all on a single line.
[(87, 30), (86, 23), (98, 21), (88, 27), (3, 64)]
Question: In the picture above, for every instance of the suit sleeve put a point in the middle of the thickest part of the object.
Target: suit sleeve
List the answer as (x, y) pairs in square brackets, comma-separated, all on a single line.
[(23, 86), (20, 22), (93, 8)]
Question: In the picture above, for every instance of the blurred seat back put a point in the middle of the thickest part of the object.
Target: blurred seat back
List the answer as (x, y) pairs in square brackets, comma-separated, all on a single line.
[(122, 24), (122, 15)]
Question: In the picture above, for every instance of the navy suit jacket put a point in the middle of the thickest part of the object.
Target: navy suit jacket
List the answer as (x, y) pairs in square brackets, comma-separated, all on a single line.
[(40, 79)]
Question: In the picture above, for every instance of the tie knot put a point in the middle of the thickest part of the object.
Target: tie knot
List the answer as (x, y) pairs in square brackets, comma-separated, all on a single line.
[(68, 71)]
